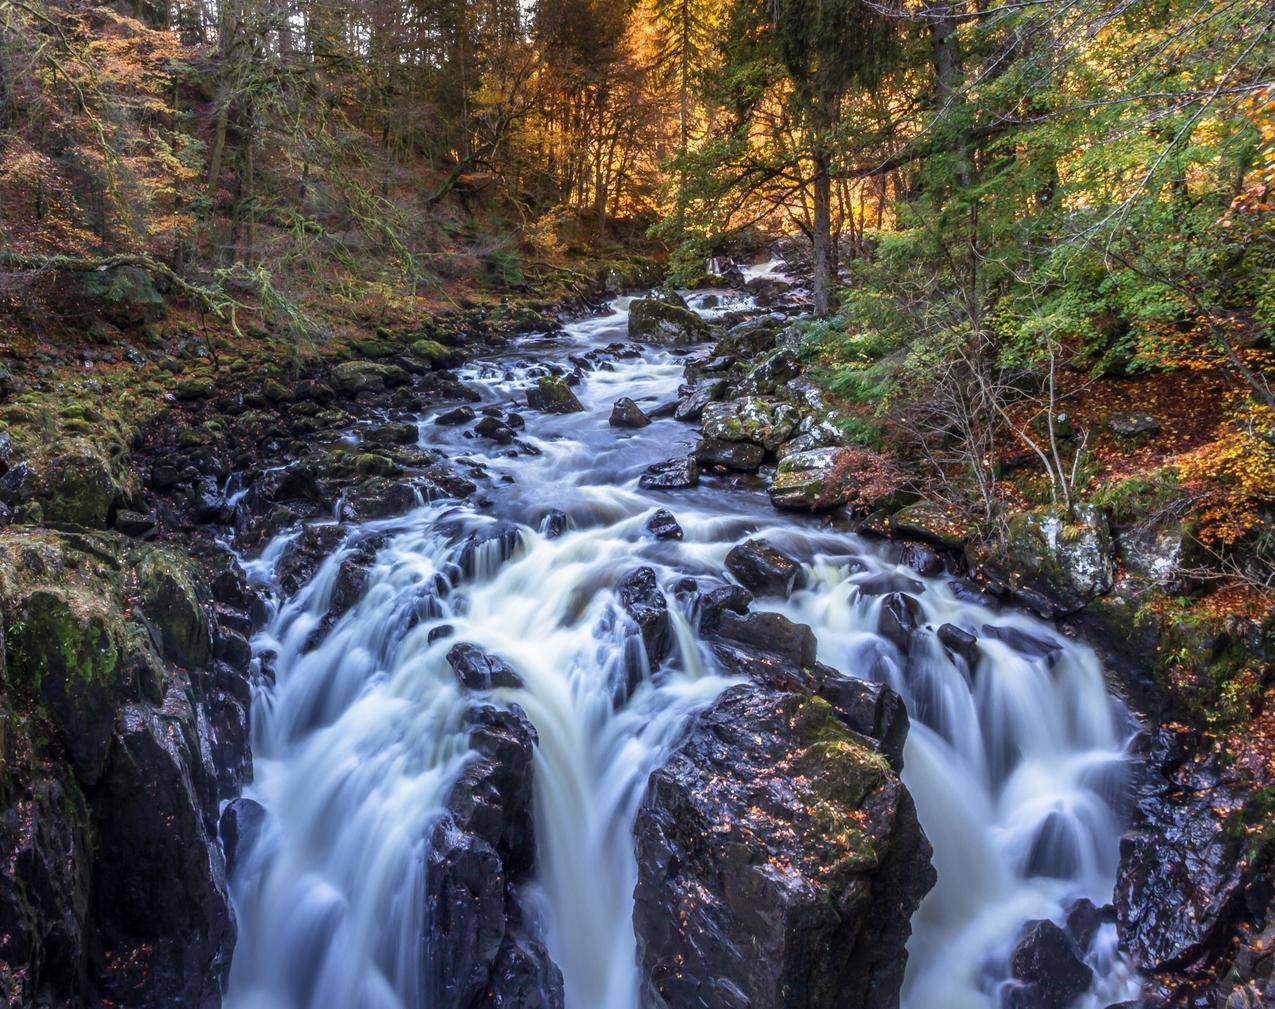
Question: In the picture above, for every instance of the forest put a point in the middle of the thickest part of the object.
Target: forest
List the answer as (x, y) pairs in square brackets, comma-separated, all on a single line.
[(304, 302)]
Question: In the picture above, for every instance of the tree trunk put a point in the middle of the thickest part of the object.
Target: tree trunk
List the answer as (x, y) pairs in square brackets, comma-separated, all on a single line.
[(822, 231)]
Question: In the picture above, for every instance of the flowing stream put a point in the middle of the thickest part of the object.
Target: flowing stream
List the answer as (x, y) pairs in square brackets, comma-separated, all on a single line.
[(1016, 763)]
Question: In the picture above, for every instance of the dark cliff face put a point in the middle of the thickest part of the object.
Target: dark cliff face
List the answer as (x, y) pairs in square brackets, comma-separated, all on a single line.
[(779, 856), (123, 723)]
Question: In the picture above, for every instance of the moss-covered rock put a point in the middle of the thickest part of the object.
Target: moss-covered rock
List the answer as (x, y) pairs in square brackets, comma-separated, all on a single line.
[(552, 395), (652, 320), (64, 648), (779, 858), (432, 353), (80, 483), (764, 422), (170, 605), (1056, 561), (354, 377), (822, 478)]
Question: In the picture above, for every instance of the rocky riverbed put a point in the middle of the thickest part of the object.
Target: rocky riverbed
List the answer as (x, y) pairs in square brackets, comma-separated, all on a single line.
[(529, 593)]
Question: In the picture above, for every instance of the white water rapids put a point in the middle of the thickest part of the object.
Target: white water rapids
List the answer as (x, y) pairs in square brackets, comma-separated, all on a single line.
[(1016, 765)]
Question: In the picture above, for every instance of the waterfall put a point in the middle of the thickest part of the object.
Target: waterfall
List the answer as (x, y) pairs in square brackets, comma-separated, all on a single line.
[(1015, 758)]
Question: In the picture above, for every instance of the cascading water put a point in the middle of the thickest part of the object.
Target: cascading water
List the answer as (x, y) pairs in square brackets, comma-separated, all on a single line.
[(1015, 758)]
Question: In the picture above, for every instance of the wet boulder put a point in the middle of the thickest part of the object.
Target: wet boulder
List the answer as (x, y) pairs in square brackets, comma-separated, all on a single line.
[(495, 430), (899, 616), (377, 498), (652, 320), (766, 646), (1048, 966), (1184, 875), (742, 456), (768, 423), (478, 948), (671, 474), (779, 863), (552, 395), (663, 525), (160, 906), (457, 415), (480, 670), (640, 597), (240, 828), (959, 643), (871, 709), (764, 569), (691, 407), (626, 413), (822, 478)]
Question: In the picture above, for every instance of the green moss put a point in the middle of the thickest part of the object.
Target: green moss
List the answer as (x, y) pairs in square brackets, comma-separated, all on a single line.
[(1212, 667), (61, 636), (841, 769)]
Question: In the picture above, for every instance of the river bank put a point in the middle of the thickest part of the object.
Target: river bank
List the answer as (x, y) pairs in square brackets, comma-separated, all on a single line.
[(345, 440)]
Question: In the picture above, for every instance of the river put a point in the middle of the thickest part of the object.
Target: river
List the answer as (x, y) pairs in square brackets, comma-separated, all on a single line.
[(1016, 761)]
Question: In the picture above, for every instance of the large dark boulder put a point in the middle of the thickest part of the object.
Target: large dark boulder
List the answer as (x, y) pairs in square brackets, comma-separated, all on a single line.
[(764, 569), (779, 863), (1048, 967), (1183, 875), (163, 926), (479, 950), (767, 647)]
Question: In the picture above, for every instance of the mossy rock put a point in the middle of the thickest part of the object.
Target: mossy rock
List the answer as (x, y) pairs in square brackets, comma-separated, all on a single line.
[(64, 648), (1066, 558), (552, 395), (653, 320), (431, 352), (196, 388), (79, 484), (763, 422), (170, 606), (354, 377), (374, 347)]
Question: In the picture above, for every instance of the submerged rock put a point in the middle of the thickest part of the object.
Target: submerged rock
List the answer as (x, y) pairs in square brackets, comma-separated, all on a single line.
[(779, 863)]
